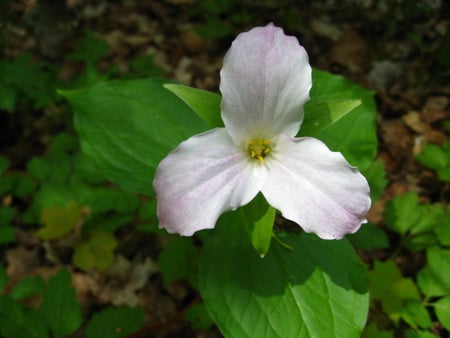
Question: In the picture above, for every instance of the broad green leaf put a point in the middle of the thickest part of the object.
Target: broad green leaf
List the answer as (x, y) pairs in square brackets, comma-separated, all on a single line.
[(178, 260), (128, 127), (115, 322), (354, 135), (391, 288), (97, 252), (59, 306), (258, 217), (27, 287), (376, 176), (434, 279), (59, 221), (205, 104), (322, 114), (442, 308), (284, 294), (16, 322), (369, 237)]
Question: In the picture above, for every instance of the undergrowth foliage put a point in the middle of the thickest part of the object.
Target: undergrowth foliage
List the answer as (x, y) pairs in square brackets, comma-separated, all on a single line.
[(93, 185)]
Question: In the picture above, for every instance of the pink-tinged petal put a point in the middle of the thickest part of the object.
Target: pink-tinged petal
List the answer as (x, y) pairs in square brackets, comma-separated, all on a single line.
[(316, 188), (203, 177), (265, 81)]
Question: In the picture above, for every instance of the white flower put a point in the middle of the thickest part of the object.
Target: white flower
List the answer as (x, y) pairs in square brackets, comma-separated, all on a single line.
[(265, 81)]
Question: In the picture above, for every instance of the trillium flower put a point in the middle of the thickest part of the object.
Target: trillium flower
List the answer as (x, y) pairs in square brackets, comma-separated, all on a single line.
[(265, 81)]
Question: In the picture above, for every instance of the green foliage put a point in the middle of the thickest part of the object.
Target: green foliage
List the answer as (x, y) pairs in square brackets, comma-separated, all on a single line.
[(434, 278), (59, 308), (354, 135), (3, 277), (416, 222), (115, 322), (21, 79), (258, 217), (437, 158), (376, 176), (179, 260), (389, 287), (198, 316), (4, 164), (7, 232), (58, 221), (96, 252), (205, 104), (59, 315), (442, 308), (27, 287), (120, 128), (369, 237), (273, 297)]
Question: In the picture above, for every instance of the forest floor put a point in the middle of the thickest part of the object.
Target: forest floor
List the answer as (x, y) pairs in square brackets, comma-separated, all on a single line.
[(399, 49)]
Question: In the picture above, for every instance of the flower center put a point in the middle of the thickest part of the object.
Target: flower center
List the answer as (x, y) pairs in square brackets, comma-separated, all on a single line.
[(258, 149)]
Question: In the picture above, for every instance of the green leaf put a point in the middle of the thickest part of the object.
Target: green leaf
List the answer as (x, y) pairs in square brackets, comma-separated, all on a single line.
[(442, 308), (322, 114), (443, 230), (16, 322), (391, 288), (3, 278), (416, 315), (7, 234), (354, 135), (4, 164), (128, 127), (437, 158), (59, 221), (27, 287), (404, 214), (283, 294), (372, 331), (97, 252), (434, 279), (376, 176), (6, 215), (8, 98), (369, 237), (59, 306), (115, 322), (178, 260), (205, 104), (90, 49), (258, 217)]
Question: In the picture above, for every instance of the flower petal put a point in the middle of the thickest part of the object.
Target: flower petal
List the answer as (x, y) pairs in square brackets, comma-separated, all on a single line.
[(203, 177), (265, 81), (316, 187)]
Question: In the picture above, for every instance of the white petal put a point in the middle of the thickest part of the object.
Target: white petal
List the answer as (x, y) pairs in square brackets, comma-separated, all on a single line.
[(316, 187), (265, 81), (203, 177)]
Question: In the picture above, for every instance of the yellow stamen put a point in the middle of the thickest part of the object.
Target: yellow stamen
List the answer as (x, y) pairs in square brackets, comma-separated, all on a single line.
[(258, 149)]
